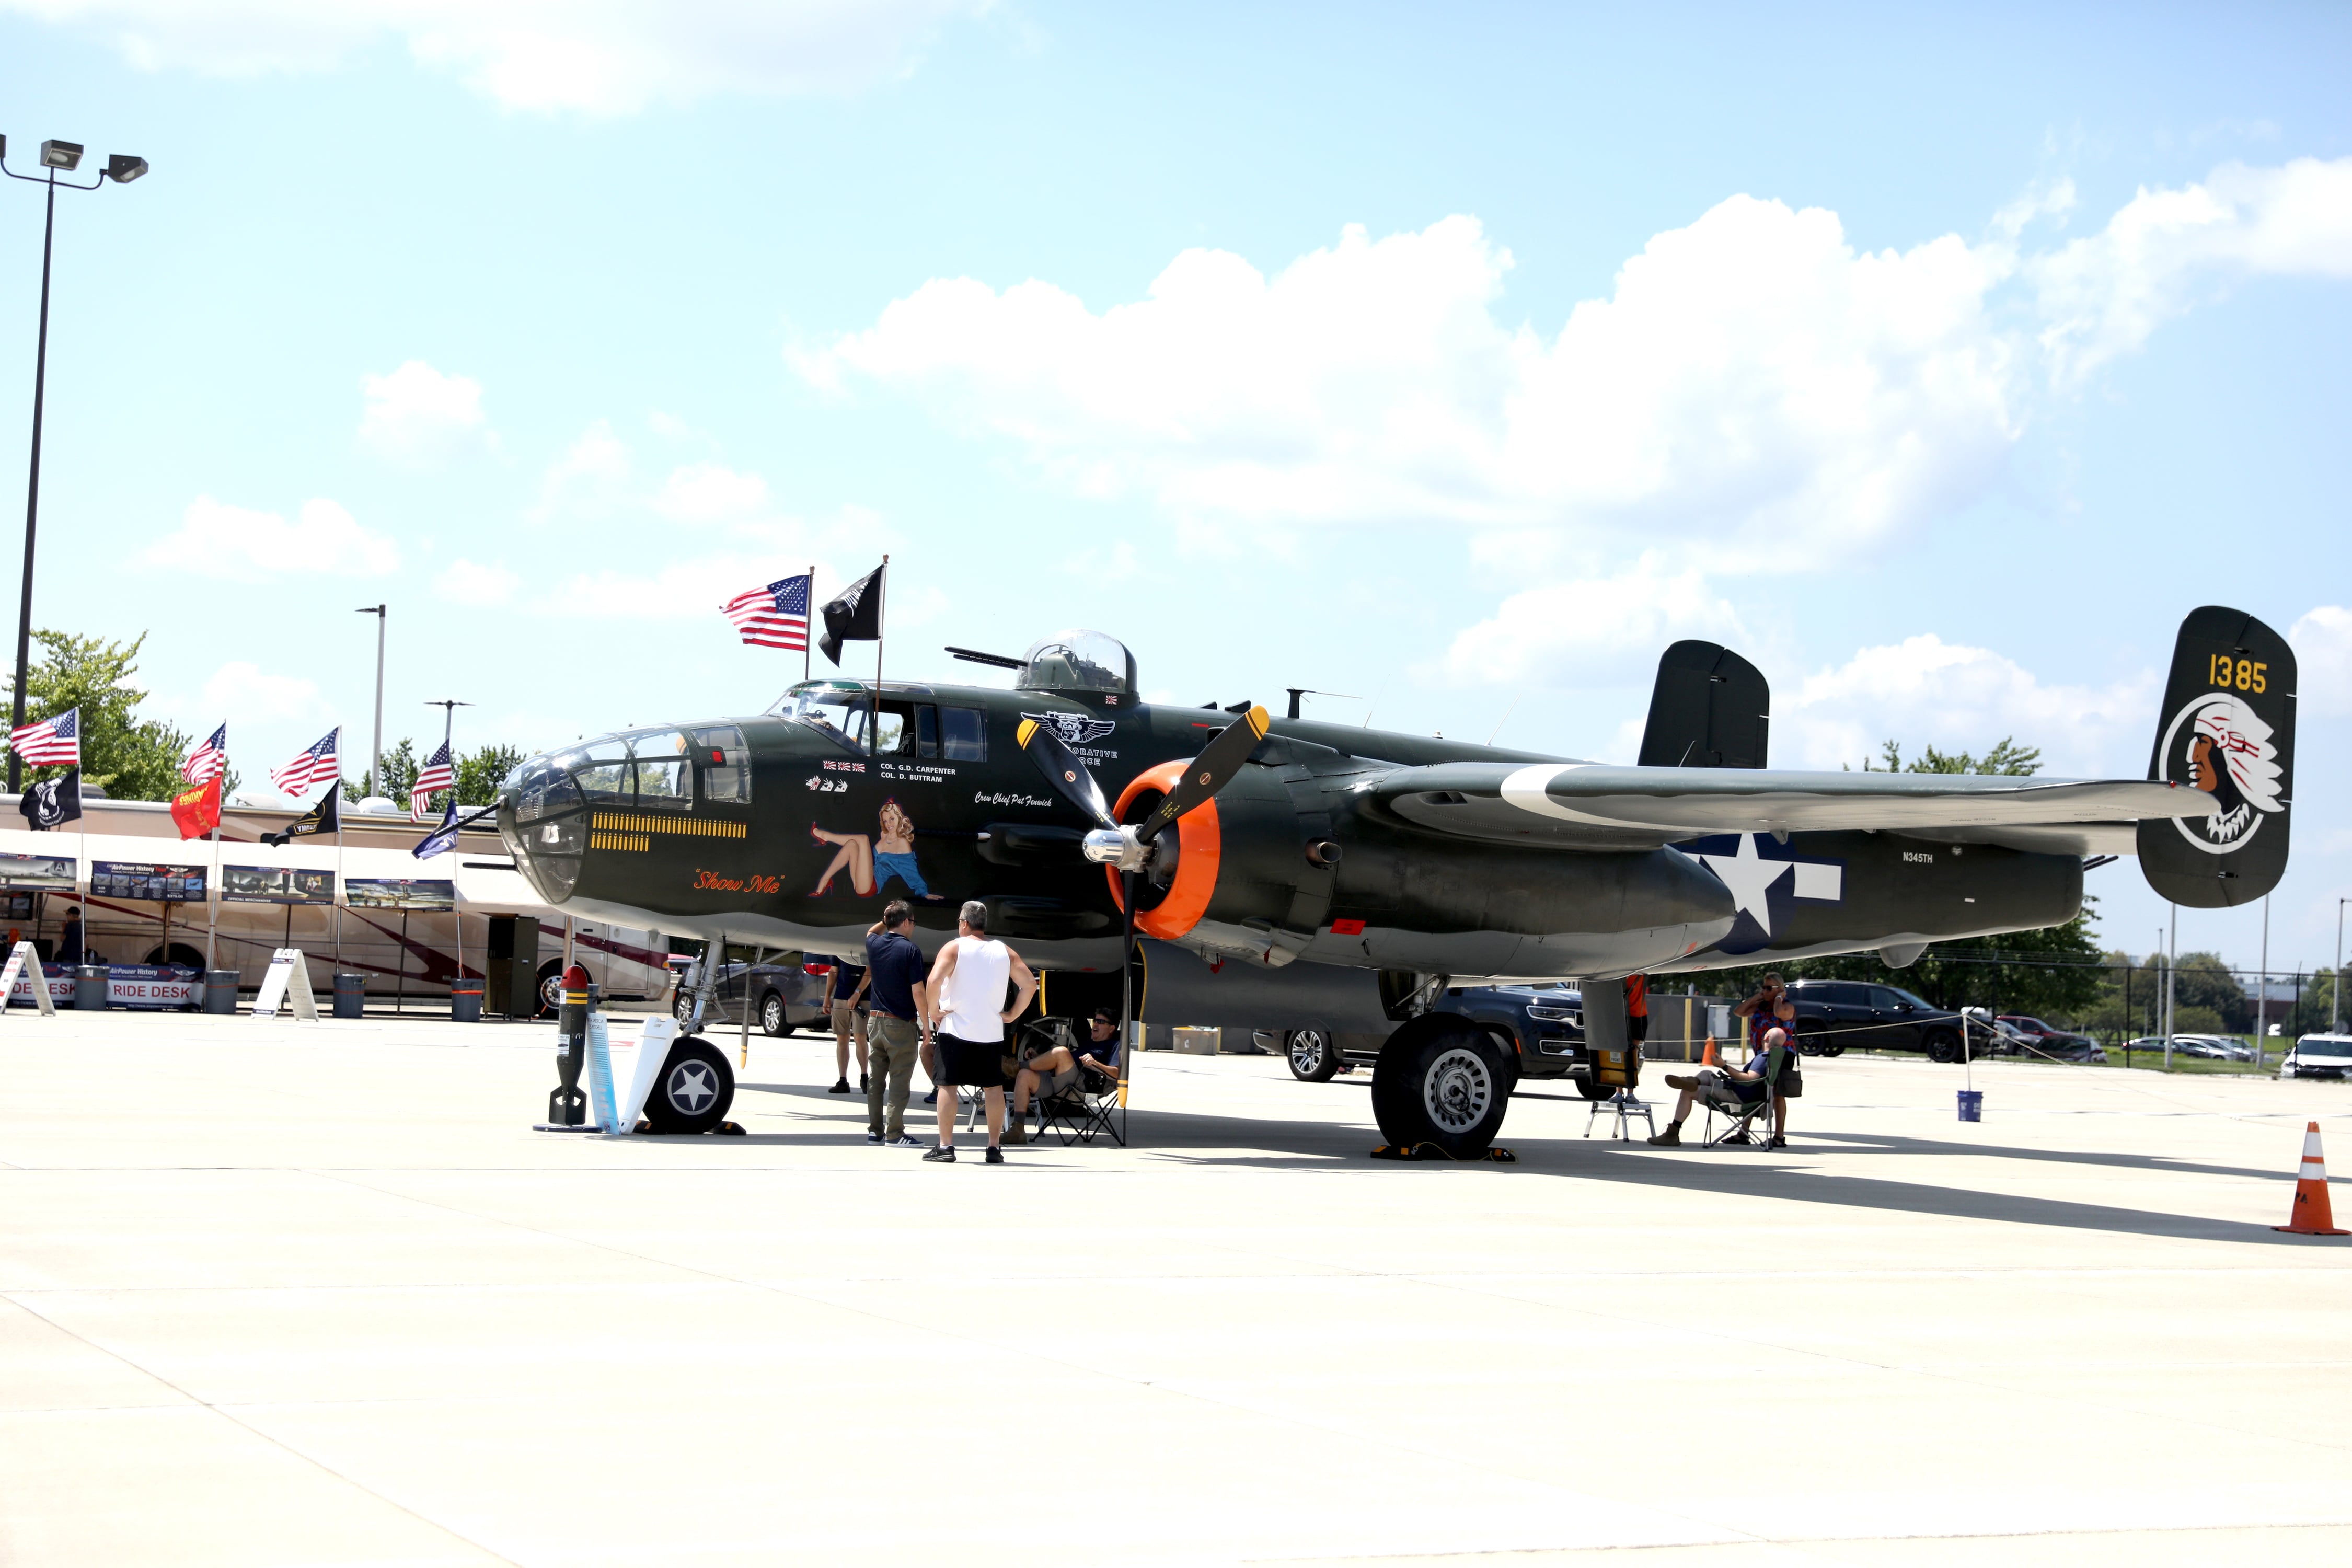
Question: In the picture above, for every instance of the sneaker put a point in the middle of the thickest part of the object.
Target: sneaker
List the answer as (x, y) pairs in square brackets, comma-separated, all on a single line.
[(932, 1098), (995, 1155), (906, 1140), (1671, 1138), (874, 1137), (944, 1154), (840, 1086)]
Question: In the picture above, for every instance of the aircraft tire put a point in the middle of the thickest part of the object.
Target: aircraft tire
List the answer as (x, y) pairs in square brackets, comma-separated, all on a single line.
[(550, 988), (1313, 1054), (1586, 1087), (1442, 1079), (1942, 1047), (695, 1089)]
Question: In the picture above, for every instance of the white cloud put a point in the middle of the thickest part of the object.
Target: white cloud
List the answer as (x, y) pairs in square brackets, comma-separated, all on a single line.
[(1587, 631), (463, 581), (217, 539), (1754, 387), (709, 493), (2103, 295), (2323, 658), (1925, 691), (611, 58), (588, 480), (420, 418)]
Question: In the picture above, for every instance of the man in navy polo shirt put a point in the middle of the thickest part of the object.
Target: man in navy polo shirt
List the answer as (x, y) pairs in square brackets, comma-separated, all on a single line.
[(895, 1033)]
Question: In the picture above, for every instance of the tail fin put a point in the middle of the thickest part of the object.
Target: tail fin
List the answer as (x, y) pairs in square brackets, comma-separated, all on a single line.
[(2228, 729), (1711, 708)]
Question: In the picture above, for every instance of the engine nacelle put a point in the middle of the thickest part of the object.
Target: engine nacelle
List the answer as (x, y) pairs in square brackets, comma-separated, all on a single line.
[(1290, 862)]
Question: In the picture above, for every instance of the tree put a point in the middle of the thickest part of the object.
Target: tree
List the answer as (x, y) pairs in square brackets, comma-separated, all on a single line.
[(2007, 757), (399, 768), (2205, 983), (129, 757), (482, 770)]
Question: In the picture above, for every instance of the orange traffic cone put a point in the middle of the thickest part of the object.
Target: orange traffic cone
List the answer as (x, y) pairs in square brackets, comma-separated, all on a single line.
[(1706, 1058), (2310, 1216)]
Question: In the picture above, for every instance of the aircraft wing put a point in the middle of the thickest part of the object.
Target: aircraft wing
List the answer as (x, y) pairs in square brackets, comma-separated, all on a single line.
[(1592, 806)]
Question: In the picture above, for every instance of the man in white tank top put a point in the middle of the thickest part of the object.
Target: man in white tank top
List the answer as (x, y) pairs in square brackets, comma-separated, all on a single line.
[(968, 1014)]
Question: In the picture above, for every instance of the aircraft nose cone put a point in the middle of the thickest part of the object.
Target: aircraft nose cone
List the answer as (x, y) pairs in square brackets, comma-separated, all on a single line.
[(543, 817)]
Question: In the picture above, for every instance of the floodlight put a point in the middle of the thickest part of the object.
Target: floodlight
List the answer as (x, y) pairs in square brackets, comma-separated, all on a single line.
[(122, 168), (66, 155)]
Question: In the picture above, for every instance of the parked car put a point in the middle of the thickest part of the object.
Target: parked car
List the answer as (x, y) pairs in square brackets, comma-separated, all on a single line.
[(784, 997), (1833, 1014), (1545, 1021), (2050, 1041), (2319, 1056), (2198, 1047)]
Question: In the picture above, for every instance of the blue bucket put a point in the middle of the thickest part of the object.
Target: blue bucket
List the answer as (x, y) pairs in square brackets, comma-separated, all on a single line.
[(1972, 1105)]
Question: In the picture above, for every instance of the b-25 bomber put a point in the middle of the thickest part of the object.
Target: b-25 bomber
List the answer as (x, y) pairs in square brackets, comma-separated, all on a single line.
[(1217, 866)]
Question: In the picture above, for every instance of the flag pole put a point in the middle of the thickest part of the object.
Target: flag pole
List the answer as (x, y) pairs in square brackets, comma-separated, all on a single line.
[(881, 610), (808, 642)]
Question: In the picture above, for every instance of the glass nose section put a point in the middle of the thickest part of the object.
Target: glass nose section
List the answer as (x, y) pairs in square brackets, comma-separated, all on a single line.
[(543, 817)]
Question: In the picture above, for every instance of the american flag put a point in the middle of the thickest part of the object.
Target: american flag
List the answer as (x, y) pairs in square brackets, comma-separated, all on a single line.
[(436, 773), (51, 740), (318, 766), (775, 616), (209, 760)]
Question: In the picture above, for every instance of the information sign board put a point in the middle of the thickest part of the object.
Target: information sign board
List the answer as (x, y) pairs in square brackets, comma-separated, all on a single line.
[(36, 870), (417, 894), (154, 884), (277, 885)]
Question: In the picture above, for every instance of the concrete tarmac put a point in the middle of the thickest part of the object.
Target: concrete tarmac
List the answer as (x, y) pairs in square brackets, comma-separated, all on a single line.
[(278, 1293)]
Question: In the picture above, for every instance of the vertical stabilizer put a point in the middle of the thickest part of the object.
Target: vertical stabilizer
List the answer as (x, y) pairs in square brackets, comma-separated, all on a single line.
[(2228, 729), (1711, 708)]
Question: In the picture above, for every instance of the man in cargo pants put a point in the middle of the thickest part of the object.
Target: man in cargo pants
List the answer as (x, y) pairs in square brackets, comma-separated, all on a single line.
[(896, 974)]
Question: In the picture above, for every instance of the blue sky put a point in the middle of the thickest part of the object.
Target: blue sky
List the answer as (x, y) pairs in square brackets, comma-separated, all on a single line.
[(1460, 359)]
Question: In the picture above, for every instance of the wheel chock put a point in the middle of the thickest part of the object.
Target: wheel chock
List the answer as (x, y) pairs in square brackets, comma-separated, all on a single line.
[(1496, 1155)]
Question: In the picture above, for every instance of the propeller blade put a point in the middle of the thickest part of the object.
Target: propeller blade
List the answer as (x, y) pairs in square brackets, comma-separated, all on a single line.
[(1069, 776), (1209, 771)]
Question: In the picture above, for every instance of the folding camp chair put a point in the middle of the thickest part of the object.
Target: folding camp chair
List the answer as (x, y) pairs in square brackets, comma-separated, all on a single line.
[(1738, 1121), (1084, 1111)]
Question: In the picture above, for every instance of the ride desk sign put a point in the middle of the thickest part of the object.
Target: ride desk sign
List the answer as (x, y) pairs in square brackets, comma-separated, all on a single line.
[(154, 884)]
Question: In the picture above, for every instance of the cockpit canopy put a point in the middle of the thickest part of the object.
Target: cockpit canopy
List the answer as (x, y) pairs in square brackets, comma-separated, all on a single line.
[(1078, 661)]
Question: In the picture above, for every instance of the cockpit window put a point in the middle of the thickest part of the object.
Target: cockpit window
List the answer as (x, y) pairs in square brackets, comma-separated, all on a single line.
[(726, 767), (1078, 661), (837, 708), (603, 775), (664, 775)]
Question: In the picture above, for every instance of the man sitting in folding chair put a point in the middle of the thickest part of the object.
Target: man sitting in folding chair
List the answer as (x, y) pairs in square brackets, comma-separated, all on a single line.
[(1076, 1088), (1741, 1094)]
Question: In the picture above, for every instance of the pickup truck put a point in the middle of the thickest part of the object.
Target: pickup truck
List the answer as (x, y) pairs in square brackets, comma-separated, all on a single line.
[(1545, 1021)]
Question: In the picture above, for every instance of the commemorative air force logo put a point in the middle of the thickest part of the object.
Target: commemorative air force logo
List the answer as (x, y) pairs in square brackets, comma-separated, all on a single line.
[(2217, 745), (1074, 729)]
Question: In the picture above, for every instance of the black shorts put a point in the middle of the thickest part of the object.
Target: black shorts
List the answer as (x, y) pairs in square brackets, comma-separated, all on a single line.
[(1637, 1028), (972, 1064)]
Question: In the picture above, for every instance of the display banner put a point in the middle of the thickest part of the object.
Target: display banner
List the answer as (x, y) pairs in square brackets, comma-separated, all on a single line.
[(154, 884), (127, 985), (37, 870), (418, 895), (24, 963), (653, 1050), (603, 1102), (288, 979), (277, 885)]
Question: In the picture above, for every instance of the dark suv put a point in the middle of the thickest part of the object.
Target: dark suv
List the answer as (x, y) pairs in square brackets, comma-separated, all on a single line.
[(1546, 1022), (1833, 1014)]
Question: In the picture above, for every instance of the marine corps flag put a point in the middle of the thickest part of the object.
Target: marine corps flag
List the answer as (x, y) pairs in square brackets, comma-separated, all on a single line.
[(322, 817), (855, 616), (52, 802), (197, 812)]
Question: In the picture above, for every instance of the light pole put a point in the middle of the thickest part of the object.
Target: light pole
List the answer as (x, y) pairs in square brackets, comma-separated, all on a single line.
[(121, 169), (2335, 986), (375, 757)]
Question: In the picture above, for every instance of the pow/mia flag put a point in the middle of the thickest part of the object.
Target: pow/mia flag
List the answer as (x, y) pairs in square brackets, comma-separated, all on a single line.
[(52, 802), (855, 616), (323, 817)]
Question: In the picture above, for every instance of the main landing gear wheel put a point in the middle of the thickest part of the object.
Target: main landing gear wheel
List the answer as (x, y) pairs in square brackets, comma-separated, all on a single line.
[(1314, 1056), (1593, 1089), (550, 989), (773, 1019), (1442, 1080), (694, 1088)]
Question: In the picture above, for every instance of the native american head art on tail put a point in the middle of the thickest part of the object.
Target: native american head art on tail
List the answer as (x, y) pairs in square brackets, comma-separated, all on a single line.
[(2219, 745)]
